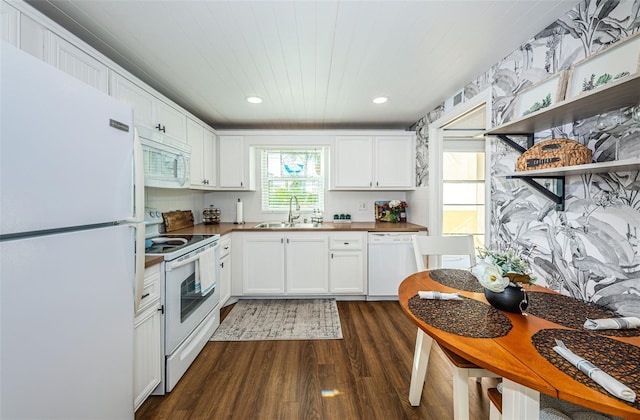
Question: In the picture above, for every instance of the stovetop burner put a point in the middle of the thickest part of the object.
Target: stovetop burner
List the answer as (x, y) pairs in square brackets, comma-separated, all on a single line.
[(167, 244)]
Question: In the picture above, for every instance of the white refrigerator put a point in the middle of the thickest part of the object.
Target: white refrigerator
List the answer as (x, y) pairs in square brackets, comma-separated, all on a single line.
[(71, 257)]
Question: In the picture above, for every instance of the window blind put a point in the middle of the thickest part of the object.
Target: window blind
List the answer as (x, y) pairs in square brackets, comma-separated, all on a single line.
[(289, 172)]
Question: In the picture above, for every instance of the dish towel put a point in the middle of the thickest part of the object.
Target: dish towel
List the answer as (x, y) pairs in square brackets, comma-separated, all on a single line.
[(612, 385), (612, 323), (206, 271), (439, 295)]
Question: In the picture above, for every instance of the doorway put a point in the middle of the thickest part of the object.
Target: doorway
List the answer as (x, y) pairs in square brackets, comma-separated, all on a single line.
[(458, 171)]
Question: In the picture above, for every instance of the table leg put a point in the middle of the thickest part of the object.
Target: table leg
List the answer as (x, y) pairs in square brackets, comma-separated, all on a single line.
[(519, 402), (420, 364)]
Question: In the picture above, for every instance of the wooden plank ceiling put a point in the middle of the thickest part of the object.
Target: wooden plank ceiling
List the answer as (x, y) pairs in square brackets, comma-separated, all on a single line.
[(316, 64)]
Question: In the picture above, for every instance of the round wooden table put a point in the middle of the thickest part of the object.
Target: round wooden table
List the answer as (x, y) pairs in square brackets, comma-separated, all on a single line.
[(526, 373)]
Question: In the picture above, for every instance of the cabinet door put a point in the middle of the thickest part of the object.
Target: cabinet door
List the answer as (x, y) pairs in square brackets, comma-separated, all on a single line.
[(263, 264), (147, 354), (195, 139), (347, 275), (134, 96), (394, 162), (352, 163), (231, 162), (9, 26), (225, 279), (32, 36), (72, 60), (209, 158), (172, 120), (307, 263)]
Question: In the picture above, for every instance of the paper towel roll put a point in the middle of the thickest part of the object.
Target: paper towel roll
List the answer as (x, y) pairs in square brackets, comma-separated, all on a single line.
[(239, 216)]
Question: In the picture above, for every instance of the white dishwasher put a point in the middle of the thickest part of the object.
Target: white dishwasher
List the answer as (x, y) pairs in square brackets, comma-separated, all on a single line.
[(391, 260)]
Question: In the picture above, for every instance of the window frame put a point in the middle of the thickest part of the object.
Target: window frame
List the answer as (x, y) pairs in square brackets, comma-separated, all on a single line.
[(265, 179)]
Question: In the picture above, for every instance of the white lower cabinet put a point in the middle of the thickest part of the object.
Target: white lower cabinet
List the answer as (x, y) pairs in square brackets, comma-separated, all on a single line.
[(307, 265), (348, 263), (147, 359), (287, 263)]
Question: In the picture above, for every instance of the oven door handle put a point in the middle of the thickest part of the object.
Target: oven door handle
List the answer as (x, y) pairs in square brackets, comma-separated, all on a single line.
[(178, 264)]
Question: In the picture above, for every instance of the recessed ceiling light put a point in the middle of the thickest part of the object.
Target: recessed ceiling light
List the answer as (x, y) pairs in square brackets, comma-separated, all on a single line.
[(380, 100), (254, 99)]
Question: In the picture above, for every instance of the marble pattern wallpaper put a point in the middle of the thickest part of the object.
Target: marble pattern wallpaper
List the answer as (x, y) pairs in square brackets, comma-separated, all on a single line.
[(590, 250)]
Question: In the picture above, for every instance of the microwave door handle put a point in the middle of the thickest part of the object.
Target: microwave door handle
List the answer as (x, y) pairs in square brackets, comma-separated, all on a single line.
[(181, 179)]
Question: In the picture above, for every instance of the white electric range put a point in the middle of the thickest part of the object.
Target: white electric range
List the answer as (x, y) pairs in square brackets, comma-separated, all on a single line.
[(191, 314)]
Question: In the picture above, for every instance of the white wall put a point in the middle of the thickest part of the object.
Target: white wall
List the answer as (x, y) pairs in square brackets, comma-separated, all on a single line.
[(169, 199)]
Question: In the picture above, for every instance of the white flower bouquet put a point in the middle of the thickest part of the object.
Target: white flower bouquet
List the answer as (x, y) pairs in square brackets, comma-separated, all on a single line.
[(499, 269)]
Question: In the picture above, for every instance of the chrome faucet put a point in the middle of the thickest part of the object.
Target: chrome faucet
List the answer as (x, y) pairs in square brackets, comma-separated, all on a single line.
[(291, 217)]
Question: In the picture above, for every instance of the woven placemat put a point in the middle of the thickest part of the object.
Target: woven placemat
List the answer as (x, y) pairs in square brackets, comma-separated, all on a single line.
[(457, 279), (466, 317), (618, 359), (572, 313)]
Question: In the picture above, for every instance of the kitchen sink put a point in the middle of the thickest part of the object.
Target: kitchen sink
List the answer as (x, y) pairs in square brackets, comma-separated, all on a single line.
[(285, 225)]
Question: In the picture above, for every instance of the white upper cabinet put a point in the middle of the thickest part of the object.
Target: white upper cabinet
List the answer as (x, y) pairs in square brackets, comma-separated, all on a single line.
[(149, 111), (9, 24), (395, 159), (352, 163), (171, 121), (203, 155), (137, 98), (72, 60), (235, 164), (368, 162)]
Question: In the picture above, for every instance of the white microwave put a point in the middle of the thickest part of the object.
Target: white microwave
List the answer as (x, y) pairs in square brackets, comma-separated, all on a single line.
[(166, 160)]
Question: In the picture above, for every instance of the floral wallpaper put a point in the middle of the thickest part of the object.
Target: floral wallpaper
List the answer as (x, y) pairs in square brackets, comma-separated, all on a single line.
[(591, 249)]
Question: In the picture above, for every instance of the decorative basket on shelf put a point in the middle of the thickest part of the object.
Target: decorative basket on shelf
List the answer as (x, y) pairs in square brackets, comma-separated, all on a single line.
[(554, 153)]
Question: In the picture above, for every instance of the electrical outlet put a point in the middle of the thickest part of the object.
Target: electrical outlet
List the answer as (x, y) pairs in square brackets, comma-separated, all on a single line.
[(362, 206)]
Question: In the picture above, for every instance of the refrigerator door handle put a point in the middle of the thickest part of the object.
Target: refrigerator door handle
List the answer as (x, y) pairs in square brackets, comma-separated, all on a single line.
[(138, 181), (137, 222), (139, 264)]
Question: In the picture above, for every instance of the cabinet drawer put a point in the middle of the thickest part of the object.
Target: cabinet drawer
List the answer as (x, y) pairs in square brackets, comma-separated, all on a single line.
[(151, 290), (225, 246), (346, 241)]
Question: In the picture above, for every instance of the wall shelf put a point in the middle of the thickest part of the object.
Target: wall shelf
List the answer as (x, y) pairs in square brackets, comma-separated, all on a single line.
[(591, 168), (615, 95)]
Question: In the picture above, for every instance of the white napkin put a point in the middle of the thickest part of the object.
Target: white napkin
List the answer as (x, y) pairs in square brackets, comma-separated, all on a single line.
[(612, 385), (612, 323), (439, 295)]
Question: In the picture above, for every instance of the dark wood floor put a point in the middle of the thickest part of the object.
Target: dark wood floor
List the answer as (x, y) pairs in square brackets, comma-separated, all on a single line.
[(370, 368)]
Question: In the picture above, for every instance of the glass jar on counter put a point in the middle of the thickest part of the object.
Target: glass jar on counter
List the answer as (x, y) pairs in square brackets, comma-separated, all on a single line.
[(211, 216)]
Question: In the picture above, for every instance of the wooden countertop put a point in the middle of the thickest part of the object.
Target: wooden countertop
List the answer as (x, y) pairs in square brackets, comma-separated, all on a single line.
[(224, 228), (152, 260)]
